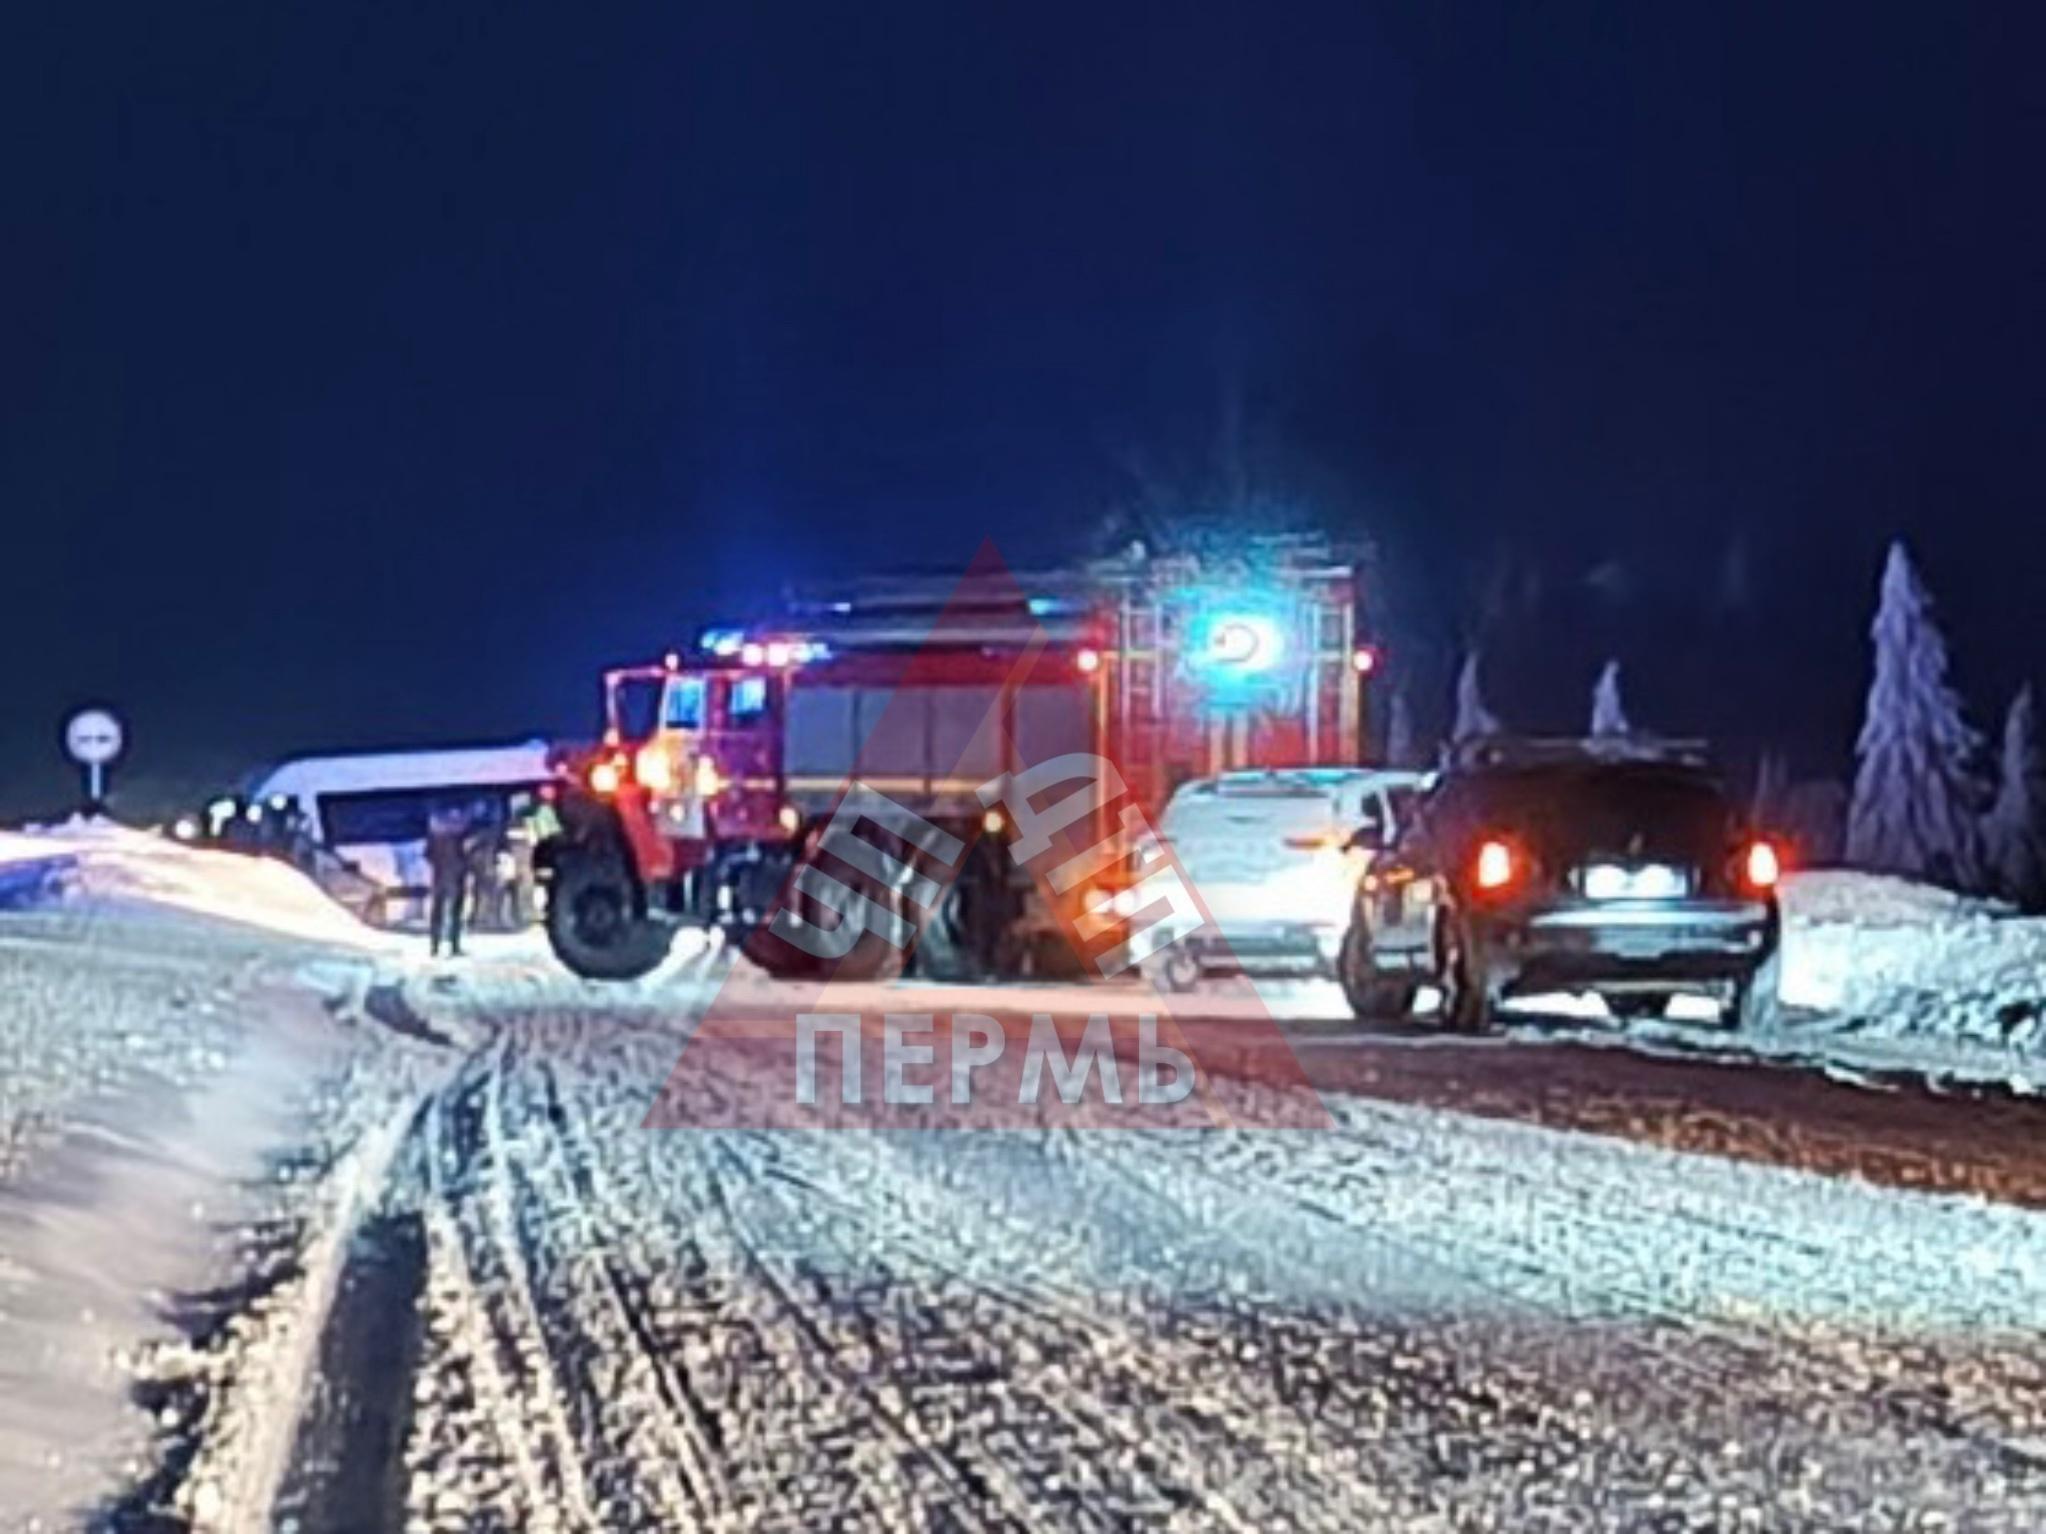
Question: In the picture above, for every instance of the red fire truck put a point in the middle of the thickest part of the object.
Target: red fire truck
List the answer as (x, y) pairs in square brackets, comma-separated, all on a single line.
[(719, 767)]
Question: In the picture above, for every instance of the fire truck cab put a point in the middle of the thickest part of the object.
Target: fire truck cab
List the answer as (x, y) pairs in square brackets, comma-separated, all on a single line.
[(719, 768)]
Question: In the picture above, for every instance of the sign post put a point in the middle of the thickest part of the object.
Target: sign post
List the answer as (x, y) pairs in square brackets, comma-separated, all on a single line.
[(93, 738)]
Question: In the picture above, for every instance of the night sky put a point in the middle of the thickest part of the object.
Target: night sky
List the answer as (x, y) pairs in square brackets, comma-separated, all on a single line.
[(376, 374)]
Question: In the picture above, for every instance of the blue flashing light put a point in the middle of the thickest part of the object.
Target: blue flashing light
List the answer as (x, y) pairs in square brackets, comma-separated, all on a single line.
[(777, 652), (1240, 645), (1229, 643)]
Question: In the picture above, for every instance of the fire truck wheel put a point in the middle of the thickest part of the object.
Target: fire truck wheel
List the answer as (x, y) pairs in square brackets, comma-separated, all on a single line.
[(594, 923), (962, 941), (873, 957)]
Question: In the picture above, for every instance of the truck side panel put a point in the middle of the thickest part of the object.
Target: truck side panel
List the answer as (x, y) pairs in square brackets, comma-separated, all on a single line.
[(930, 746)]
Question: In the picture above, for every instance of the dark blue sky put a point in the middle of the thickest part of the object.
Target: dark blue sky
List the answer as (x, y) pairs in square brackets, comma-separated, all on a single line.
[(377, 374)]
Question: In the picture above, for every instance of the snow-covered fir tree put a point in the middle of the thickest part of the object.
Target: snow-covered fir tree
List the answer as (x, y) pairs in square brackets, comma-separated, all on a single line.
[(1608, 713), (1472, 717), (1916, 799), (2013, 845)]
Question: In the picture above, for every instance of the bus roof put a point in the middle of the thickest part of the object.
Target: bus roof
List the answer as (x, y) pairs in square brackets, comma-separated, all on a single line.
[(368, 771)]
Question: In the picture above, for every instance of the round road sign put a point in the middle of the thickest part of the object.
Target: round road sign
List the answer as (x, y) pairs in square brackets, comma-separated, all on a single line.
[(93, 737)]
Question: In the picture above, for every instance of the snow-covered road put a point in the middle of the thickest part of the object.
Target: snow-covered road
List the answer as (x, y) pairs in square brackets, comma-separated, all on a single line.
[(1425, 1319), (376, 1243)]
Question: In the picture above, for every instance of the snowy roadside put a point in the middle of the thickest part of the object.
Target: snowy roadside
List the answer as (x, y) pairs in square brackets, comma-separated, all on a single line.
[(1900, 975), (1883, 980), (100, 866), (187, 1074), (207, 1070)]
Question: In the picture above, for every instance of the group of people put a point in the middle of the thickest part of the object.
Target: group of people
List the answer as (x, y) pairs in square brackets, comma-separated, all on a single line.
[(270, 828), (480, 868)]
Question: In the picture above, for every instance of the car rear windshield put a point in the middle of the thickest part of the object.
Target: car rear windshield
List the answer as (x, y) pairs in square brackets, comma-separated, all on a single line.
[(1273, 809), (1582, 810)]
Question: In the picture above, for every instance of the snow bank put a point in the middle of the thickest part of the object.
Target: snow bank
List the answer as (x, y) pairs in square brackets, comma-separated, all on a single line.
[(1948, 980), (101, 862)]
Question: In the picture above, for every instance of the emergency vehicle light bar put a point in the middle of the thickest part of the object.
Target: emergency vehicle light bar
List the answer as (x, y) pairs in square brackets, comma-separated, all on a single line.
[(776, 651)]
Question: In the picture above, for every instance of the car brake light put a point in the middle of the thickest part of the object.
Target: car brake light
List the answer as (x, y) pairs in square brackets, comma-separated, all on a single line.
[(1495, 867), (1762, 866)]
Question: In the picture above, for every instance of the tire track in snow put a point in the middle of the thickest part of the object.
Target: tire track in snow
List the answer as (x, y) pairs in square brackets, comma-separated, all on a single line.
[(559, 1462), (478, 1329), (960, 1480), (917, 1242), (1759, 1348), (682, 1423)]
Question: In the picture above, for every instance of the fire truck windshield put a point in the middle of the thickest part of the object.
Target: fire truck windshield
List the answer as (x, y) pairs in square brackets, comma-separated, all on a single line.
[(634, 705)]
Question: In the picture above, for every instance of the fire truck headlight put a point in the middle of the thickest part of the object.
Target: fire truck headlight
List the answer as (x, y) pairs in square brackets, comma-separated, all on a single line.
[(709, 781), (652, 770), (605, 776), (791, 819)]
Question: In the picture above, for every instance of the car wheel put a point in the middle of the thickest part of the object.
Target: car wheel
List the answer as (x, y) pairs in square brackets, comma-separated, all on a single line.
[(1466, 987), (1371, 996), (1757, 1000)]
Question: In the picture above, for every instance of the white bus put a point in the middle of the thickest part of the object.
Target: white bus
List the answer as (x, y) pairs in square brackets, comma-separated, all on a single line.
[(369, 809)]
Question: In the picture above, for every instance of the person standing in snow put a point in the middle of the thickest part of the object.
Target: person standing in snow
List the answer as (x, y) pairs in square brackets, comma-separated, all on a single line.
[(447, 862), (521, 841), (485, 886)]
